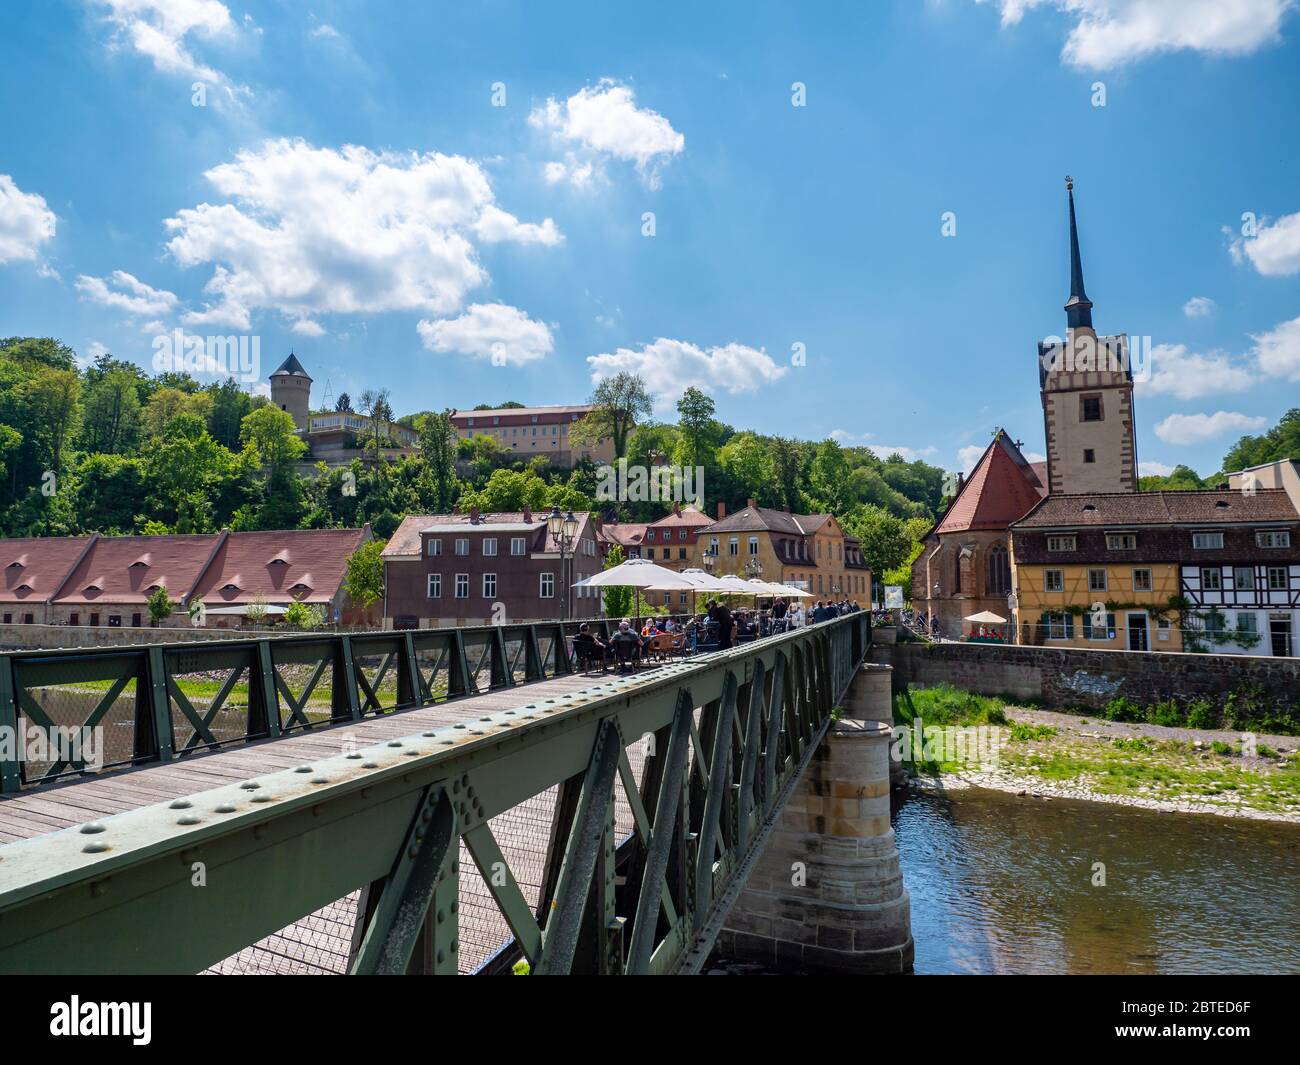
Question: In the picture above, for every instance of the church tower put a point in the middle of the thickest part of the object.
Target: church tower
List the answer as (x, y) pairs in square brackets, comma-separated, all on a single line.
[(1086, 383), (291, 391)]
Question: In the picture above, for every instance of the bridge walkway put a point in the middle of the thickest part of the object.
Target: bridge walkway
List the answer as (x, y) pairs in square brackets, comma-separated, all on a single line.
[(319, 943)]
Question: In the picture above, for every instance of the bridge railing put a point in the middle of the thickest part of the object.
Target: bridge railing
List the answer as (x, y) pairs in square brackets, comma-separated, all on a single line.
[(182, 886), (141, 704)]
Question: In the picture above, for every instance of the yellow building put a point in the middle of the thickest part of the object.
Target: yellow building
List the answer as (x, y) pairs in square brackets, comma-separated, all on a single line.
[(527, 431), (1057, 604), (809, 551)]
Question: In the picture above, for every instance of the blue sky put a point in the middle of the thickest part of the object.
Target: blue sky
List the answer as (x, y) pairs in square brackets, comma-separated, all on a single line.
[(350, 189)]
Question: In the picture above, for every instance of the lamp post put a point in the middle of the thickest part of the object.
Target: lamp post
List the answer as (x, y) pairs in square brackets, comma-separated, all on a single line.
[(563, 528)]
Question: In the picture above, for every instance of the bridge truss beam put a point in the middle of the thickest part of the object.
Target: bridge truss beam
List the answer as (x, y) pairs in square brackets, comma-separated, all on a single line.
[(180, 886)]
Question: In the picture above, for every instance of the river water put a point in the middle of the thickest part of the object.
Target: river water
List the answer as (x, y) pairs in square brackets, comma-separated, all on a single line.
[(1004, 884)]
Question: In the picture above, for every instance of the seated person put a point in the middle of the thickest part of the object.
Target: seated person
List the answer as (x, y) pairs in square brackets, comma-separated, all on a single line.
[(626, 643), (587, 647)]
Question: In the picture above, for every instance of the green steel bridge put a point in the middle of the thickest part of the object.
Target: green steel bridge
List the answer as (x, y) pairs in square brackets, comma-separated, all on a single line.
[(433, 801)]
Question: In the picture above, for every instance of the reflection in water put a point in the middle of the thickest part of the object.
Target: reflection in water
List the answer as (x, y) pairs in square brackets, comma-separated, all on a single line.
[(1003, 884)]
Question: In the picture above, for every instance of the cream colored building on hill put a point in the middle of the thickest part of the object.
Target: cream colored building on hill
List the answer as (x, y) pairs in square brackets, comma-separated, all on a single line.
[(529, 431)]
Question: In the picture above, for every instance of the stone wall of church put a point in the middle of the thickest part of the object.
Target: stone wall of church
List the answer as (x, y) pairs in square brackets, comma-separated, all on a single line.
[(961, 571)]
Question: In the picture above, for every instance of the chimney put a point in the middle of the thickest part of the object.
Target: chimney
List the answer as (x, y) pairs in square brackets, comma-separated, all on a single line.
[(677, 506), (473, 515), (528, 514), (722, 510), (751, 503)]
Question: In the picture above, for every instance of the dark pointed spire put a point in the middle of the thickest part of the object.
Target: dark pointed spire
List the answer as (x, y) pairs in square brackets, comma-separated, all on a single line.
[(1078, 309)]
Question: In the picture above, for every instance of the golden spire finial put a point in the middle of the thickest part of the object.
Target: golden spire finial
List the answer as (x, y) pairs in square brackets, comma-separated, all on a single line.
[(1069, 183)]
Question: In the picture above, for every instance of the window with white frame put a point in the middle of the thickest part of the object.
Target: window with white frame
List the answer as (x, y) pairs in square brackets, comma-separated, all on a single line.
[(490, 545), (546, 586), (1141, 580), (1211, 580), (1277, 578), (1272, 538), (462, 547), (1096, 580), (733, 545), (516, 545), (434, 589), (489, 586), (1247, 623), (462, 585), (1060, 543), (1092, 630), (1243, 578), (1207, 541), (1121, 541), (753, 545), (1053, 580), (434, 548)]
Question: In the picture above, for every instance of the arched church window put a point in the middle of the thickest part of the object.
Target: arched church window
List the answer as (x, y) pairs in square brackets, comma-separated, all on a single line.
[(998, 579)]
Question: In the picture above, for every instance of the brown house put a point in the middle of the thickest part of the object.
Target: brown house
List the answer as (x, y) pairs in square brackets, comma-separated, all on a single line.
[(477, 569)]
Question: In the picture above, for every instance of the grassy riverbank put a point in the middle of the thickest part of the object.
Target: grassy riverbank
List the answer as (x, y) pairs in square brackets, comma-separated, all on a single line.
[(1169, 767)]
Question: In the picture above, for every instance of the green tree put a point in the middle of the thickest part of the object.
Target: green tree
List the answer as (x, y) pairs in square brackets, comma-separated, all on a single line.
[(828, 478), (304, 616), (111, 417), (618, 401), (885, 540), (364, 582), (617, 597), (438, 450), (55, 398), (698, 430), (748, 465), (161, 606)]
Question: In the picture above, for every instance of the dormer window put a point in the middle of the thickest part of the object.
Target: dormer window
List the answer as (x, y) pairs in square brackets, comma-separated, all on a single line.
[(230, 587), (16, 564), (1221, 504), (278, 562), (138, 564), (24, 587)]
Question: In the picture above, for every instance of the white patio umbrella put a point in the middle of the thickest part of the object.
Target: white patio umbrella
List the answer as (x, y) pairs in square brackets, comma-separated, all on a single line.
[(636, 573), (700, 580), (987, 617), (791, 592)]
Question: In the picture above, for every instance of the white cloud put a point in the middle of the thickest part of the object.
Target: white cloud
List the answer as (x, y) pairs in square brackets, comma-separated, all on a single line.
[(1277, 352), (306, 327), (1154, 469), (1175, 371), (164, 32), (126, 293), (969, 455), (1274, 251), (604, 122), (1194, 428), (1198, 307), (493, 331), (669, 367), (312, 231), (1107, 33), (911, 454), (25, 222), (325, 32)]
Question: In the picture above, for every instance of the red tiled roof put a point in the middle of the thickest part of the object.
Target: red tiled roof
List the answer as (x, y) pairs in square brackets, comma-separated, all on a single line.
[(1160, 508), (1001, 489), (127, 569), (32, 568), (691, 517), (279, 567)]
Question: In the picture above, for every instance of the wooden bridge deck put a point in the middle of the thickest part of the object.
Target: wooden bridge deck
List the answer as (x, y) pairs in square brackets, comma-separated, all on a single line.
[(319, 942)]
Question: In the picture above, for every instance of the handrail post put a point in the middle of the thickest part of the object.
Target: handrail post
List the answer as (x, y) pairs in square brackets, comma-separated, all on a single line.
[(10, 768)]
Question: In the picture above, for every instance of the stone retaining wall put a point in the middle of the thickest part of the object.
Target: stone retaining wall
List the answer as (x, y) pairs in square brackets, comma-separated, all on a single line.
[(44, 637), (1062, 678)]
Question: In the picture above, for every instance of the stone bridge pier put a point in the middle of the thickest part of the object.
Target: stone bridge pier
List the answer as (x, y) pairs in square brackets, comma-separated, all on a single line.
[(827, 894)]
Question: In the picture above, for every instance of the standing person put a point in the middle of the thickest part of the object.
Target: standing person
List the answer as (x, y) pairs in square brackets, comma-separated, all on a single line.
[(721, 616), (794, 617)]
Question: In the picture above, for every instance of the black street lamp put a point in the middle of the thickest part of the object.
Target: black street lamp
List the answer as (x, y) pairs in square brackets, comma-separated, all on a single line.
[(563, 528)]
